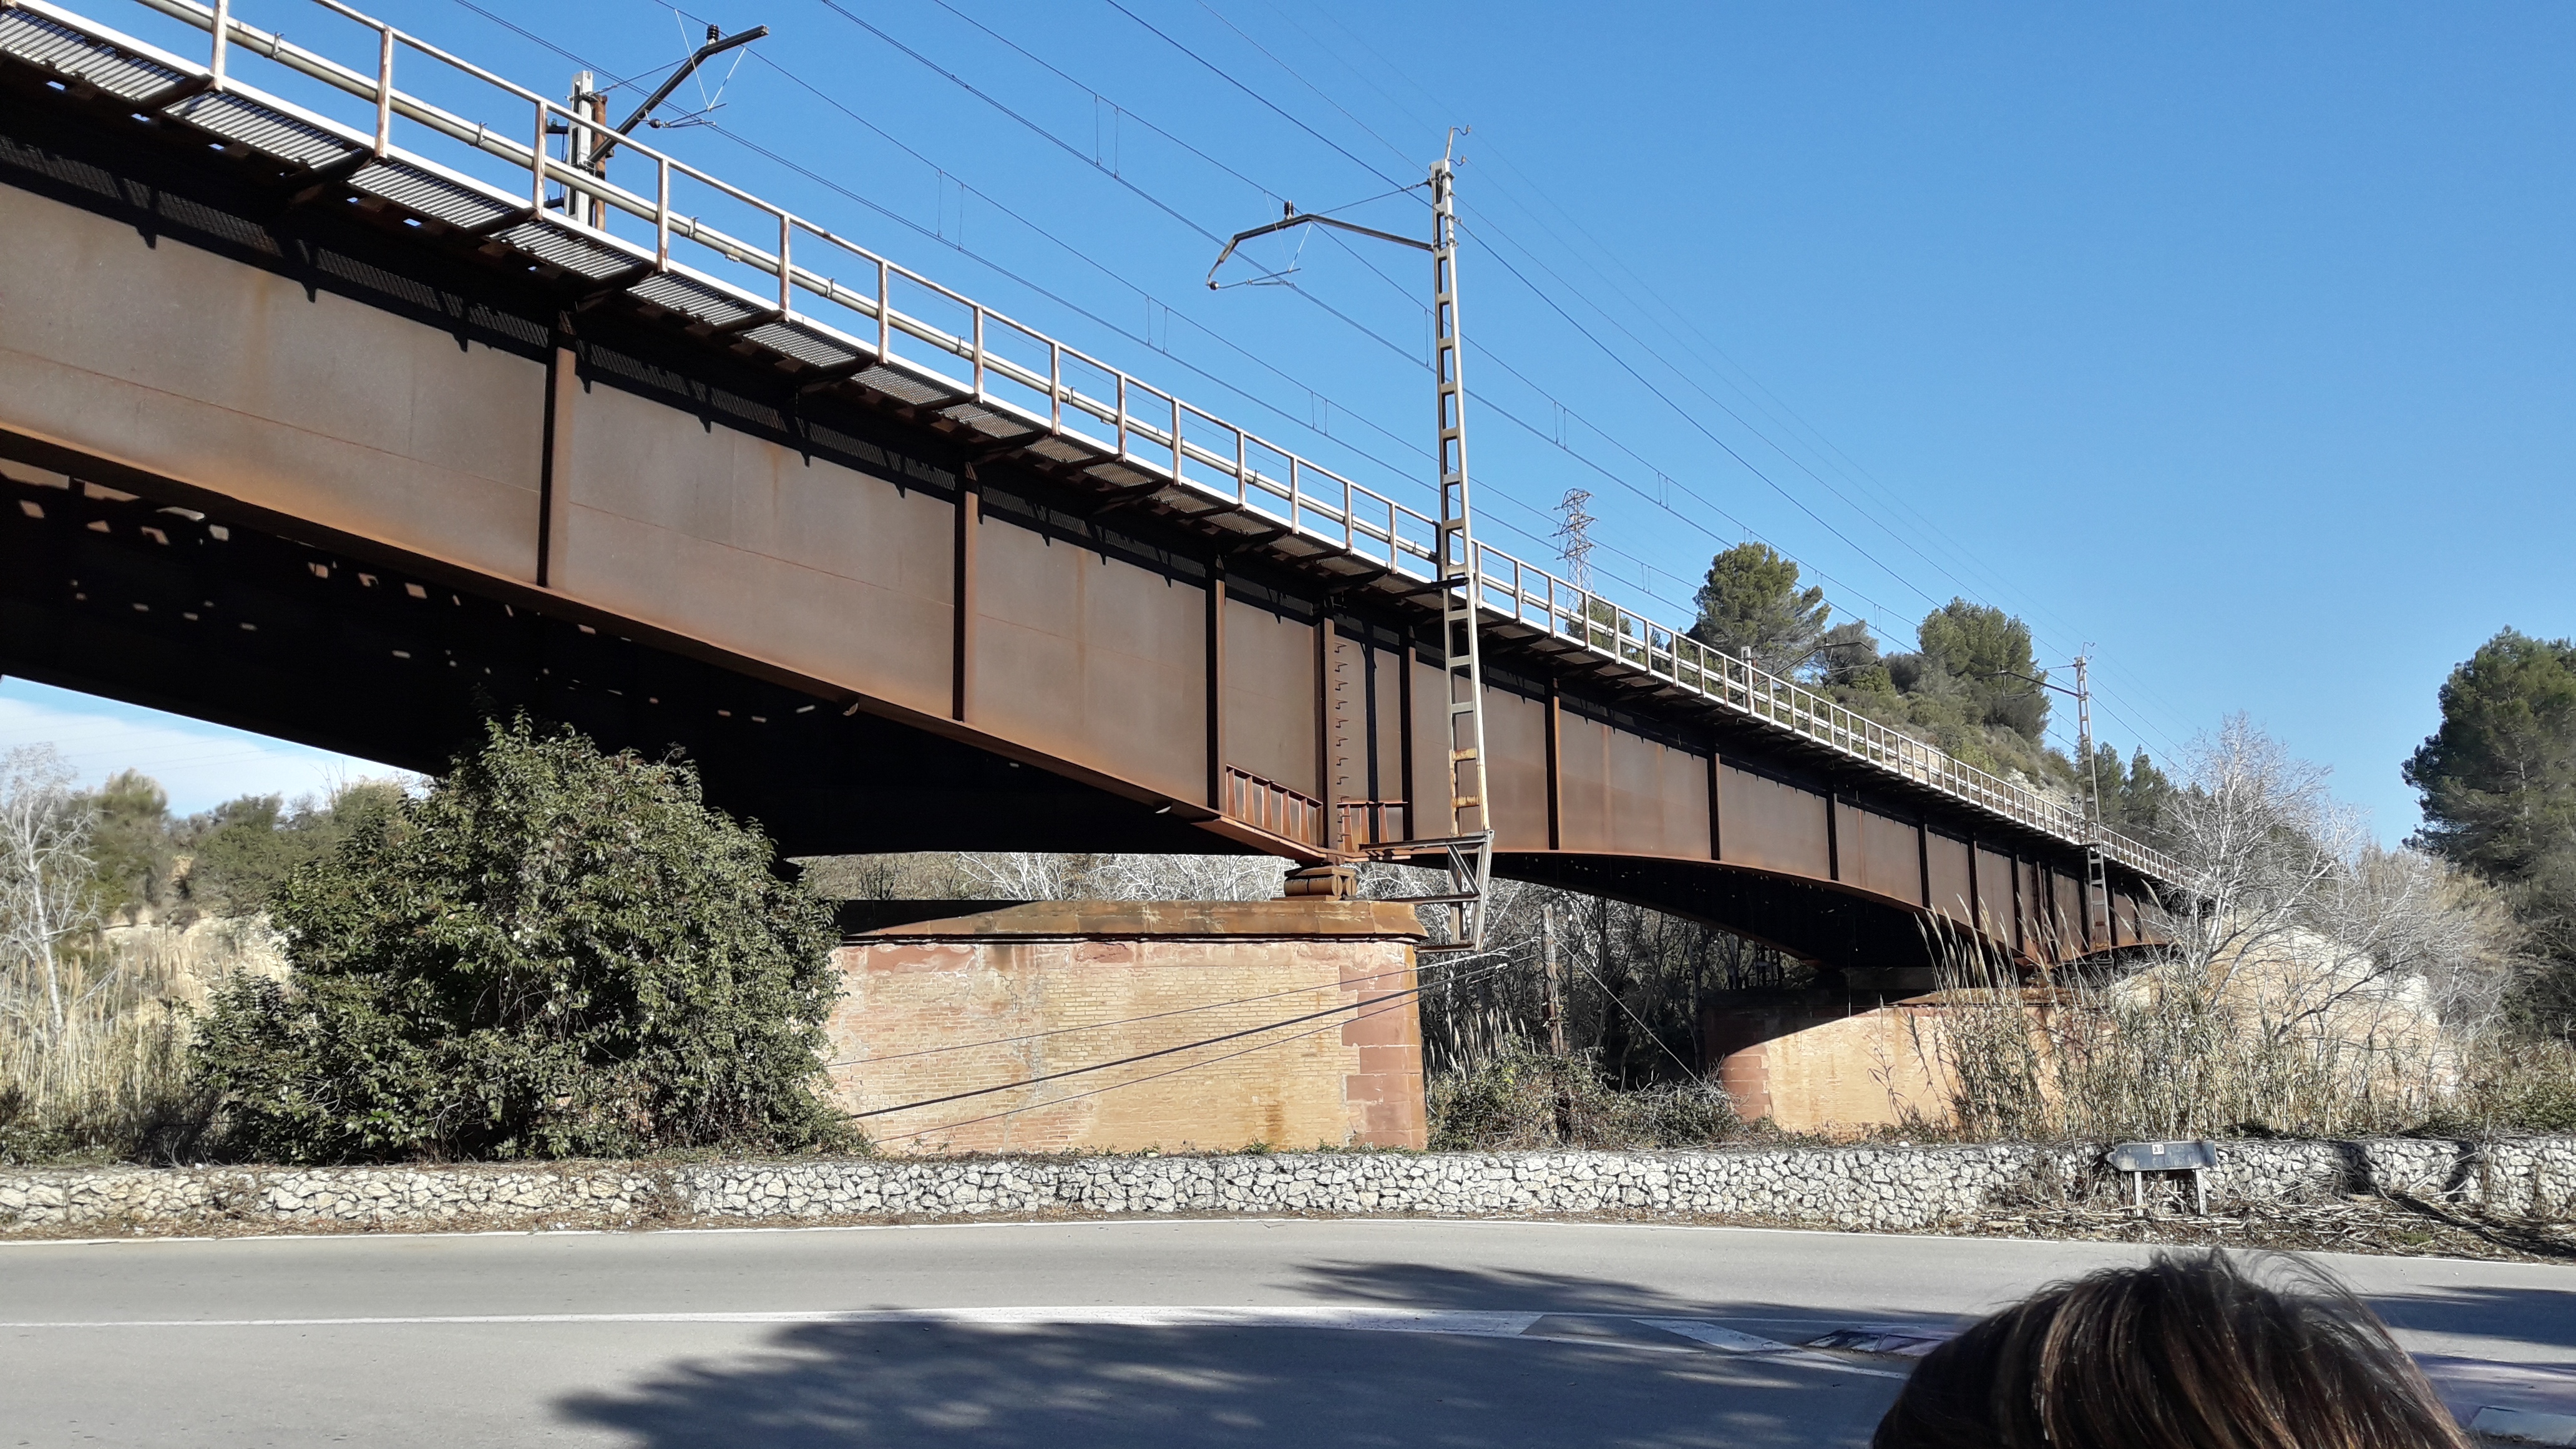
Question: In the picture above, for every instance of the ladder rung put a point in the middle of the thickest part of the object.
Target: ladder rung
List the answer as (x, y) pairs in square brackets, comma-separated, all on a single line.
[(1460, 757), (1466, 802)]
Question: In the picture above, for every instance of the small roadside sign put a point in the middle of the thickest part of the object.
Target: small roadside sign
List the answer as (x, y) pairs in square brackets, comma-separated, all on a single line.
[(2140, 1158)]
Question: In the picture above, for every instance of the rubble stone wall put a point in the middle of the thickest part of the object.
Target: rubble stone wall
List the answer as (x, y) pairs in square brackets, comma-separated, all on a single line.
[(1849, 1187)]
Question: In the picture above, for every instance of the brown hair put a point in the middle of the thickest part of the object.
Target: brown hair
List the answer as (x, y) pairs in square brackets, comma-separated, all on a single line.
[(2188, 1352)]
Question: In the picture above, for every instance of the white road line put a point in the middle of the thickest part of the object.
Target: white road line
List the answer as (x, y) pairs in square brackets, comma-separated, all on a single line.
[(2522, 1426), (1382, 1320), (1356, 1318), (1728, 1340)]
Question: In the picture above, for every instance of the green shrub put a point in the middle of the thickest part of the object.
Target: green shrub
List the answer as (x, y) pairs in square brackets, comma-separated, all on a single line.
[(553, 953)]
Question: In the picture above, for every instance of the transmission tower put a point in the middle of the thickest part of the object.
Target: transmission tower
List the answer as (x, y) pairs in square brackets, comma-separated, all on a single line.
[(1574, 535)]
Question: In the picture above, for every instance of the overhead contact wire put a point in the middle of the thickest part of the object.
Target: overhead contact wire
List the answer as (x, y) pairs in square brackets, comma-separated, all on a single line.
[(1966, 559), (1224, 75)]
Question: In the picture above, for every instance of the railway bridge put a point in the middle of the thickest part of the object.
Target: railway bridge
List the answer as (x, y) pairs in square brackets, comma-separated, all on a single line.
[(342, 415)]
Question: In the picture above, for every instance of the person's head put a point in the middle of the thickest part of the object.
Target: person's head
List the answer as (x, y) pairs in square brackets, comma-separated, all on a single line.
[(2186, 1353)]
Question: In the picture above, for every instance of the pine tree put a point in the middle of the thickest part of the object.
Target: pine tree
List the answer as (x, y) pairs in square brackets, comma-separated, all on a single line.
[(1751, 601), (2498, 784)]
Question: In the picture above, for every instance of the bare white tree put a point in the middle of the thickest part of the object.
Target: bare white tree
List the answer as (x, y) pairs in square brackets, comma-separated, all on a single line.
[(1020, 875), (2309, 980), (2260, 840), (1188, 877), (44, 879), (2308, 922), (1037, 876)]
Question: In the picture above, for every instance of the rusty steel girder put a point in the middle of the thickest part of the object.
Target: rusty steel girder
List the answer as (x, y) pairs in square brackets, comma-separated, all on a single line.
[(293, 455)]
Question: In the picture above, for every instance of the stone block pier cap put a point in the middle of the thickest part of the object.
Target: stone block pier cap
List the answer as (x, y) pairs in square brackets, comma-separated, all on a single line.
[(1284, 919)]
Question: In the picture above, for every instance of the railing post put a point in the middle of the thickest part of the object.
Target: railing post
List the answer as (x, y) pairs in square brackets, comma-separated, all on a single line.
[(1055, 385), (885, 312), (662, 214), (384, 90), (1243, 485), (787, 273), (537, 168), (223, 40), (1176, 438), (979, 354)]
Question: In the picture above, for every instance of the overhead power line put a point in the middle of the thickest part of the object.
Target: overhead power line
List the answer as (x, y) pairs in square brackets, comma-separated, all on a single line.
[(1879, 490), (1392, 469), (1060, 74), (1364, 329), (533, 38), (1646, 569), (1059, 142), (1274, 107), (1662, 477), (1502, 409), (1702, 428), (1587, 333)]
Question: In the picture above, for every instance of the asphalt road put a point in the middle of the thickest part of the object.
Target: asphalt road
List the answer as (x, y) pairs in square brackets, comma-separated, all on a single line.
[(1057, 1336)]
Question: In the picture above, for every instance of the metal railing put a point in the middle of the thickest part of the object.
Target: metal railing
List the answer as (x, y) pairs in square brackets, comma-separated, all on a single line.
[(1359, 824), (1271, 806), (1004, 377)]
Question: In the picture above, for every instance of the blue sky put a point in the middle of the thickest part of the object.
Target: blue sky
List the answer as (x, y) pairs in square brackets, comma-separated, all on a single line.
[(2230, 341)]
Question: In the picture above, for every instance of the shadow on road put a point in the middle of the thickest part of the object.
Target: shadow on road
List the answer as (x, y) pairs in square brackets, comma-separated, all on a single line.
[(1073, 1387), (1423, 1285), (2522, 1316), (1419, 1285)]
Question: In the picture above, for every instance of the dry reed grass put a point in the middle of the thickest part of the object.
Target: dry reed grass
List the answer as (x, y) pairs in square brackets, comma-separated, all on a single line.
[(1516, 1098), (114, 1081), (2177, 1050), (2310, 984)]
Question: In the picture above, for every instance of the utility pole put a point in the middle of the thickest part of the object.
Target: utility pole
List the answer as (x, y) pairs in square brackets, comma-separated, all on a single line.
[(1459, 567), (1456, 569), (2097, 875), (585, 147)]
